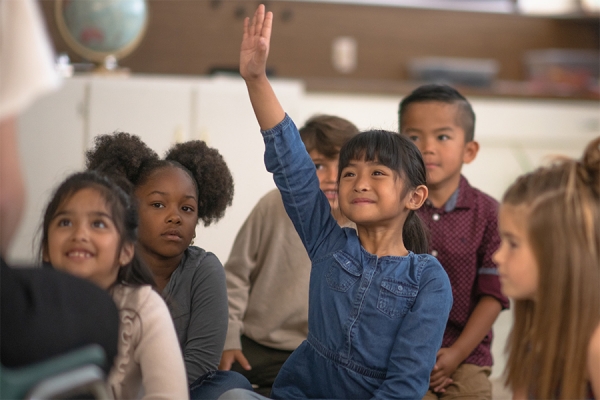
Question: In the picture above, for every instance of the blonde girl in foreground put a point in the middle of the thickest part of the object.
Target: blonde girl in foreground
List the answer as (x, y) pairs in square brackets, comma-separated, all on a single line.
[(549, 264)]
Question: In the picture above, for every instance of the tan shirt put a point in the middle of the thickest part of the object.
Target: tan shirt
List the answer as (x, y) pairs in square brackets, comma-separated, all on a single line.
[(267, 280), (149, 364)]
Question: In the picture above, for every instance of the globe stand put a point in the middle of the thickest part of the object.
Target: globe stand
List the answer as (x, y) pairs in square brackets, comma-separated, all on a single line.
[(111, 67)]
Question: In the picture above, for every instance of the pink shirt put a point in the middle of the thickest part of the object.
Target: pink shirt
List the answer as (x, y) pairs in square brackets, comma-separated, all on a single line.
[(464, 235)]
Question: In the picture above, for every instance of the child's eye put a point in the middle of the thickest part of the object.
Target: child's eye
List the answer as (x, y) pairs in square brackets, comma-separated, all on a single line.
[(187, 209), (347, 174), (157, 205), (443, 137), (378, 173), (99, 224), (64, 222), (318, 166), (413, 138)]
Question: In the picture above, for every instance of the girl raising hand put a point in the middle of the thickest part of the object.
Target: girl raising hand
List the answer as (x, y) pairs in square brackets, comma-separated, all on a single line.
[(377, 308)]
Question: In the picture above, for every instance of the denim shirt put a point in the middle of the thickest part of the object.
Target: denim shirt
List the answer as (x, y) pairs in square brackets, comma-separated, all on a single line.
[(375, 323)]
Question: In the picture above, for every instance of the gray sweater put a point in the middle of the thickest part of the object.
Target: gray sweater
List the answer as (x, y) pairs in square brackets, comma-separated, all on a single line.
[(197, 299)]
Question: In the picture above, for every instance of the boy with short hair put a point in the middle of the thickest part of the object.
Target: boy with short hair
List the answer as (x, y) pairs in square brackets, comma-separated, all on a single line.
[(463, 226), (268, 269)]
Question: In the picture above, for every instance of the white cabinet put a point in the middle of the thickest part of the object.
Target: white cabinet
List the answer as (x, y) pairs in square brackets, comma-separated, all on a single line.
[(157, 110)]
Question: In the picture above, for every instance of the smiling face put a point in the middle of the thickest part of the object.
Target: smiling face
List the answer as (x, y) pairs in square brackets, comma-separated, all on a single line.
[(327, 171), (517, 266), (371, 193), (168, 210), (433, 126), (83, 239)]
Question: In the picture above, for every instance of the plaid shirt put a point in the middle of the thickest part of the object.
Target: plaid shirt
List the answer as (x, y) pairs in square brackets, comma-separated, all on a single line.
[(464, 235)]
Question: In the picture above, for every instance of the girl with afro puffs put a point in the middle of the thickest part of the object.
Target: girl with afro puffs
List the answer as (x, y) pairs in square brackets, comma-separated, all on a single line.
[(190, 184)]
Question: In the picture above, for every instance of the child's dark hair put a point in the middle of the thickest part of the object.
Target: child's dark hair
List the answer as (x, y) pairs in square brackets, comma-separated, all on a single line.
[(465, 117), (327, 134), (124, 155), (123, 213), (400, 154)]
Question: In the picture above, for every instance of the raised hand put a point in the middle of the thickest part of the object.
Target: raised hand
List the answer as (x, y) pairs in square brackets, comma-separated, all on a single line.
[(255, 44), (253, 68)]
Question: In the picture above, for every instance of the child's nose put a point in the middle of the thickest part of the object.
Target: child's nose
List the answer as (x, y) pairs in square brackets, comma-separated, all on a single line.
[(496, 256), (427, 146), (81, 232), (174, 217), (361, 183)]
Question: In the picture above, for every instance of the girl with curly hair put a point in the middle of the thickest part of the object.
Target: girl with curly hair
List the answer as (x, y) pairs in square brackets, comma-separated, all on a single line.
[(549, 264), (190, 184)]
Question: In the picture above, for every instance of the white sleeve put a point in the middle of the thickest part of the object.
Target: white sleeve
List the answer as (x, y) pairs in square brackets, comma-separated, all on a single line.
[(158, 353), (26, 57)]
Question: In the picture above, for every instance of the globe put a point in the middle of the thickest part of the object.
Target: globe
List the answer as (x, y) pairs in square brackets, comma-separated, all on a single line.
[(97, 29)]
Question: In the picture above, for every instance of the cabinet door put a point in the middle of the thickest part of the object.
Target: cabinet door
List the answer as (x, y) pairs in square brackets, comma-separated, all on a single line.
[(225, 120), (157, 110), (51, 144)]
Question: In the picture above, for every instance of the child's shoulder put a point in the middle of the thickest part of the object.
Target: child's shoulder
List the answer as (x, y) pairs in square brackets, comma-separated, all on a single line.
[(199, 264), (269, 202), (136, 300), (476, 197), (428, 265), (195, 257)]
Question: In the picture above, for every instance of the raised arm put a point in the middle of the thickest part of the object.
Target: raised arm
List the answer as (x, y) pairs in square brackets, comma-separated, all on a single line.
[(253, 63)]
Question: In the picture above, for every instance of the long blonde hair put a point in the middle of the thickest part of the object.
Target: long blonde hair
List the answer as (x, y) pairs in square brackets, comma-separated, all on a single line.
[(547, 348)]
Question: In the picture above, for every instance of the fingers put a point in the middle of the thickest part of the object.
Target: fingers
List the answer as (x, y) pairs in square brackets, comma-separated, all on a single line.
[(246, 28), (267, 26), (257, 21), (241, 359), (441, 388), (226, 361), (261, 25)]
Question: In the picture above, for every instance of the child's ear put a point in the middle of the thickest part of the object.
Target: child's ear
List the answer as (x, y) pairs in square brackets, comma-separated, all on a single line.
[(127, 252), (471, 150), (417, 197)]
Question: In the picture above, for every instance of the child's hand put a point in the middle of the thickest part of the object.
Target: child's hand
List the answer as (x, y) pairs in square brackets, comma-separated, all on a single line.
[(255, 44), (447, 361), (229, 357)]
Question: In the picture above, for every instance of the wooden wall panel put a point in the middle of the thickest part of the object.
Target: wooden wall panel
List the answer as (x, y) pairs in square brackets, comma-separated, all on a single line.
[(193, 36)]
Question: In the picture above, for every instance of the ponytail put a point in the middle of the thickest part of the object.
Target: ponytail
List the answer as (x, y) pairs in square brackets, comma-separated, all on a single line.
[(415, 234)]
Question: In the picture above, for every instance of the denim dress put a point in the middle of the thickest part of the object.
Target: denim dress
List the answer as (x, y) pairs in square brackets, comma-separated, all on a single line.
[(375, 323)]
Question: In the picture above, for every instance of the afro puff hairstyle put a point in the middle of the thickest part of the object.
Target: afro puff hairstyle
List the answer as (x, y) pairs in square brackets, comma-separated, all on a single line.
[(211, 175), (126, 157)]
